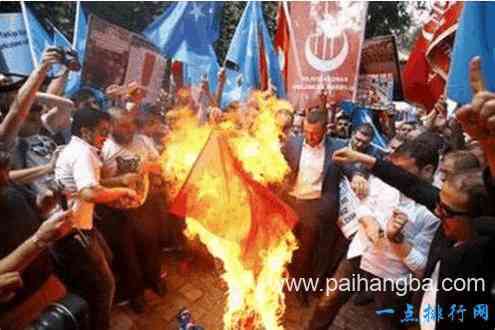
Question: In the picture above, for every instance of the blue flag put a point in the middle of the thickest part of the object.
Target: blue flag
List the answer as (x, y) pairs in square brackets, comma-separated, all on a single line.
[(360, 115), (38, 37), (15, 54), (186, 31), (474, 37), (79, 44), (251, 51)]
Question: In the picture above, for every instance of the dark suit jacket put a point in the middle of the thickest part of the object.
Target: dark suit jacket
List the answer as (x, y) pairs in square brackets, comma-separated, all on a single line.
[(328, 253), (471, 260)]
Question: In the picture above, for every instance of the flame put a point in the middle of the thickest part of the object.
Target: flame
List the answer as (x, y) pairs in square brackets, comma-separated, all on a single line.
[(255, 297), (254, 301), (182, 148), (259, 149)]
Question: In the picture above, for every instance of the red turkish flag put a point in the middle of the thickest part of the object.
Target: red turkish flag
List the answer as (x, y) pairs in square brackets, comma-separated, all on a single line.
[(425, 73), (326, 41), (442, 43)]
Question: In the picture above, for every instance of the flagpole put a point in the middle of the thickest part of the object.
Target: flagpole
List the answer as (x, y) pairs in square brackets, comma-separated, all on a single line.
[(76, 25), (28, 31), (292, 40)]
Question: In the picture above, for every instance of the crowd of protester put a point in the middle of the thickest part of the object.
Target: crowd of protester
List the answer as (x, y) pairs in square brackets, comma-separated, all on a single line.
[(84, 208)]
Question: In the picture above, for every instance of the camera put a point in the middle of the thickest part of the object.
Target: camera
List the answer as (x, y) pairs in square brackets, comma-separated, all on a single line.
[(69, 58), (70, 313)]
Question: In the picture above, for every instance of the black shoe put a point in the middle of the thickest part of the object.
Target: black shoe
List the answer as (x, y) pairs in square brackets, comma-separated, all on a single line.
[(362, 298), (138, 304)]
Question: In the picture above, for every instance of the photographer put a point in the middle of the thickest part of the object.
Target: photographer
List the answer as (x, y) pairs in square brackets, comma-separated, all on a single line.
[(27, 281)]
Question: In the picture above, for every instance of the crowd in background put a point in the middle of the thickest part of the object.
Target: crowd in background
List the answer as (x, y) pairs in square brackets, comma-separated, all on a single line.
[(83, 205)]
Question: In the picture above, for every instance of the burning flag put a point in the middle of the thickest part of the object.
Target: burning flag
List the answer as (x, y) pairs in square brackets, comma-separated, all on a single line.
[(230, 204), (227, 205)]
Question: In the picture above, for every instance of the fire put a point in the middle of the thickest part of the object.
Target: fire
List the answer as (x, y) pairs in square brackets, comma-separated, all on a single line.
[(221, 216), (255, 301), (259, 149), (183, 147)]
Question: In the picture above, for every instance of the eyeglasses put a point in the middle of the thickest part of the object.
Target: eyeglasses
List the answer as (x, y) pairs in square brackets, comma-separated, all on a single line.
[(445, 211)]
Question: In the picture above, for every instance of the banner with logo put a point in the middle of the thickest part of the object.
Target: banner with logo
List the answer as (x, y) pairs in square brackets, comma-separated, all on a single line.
[(115, 55), (376, 91), (379, 56), (15, 55), (326, 40)]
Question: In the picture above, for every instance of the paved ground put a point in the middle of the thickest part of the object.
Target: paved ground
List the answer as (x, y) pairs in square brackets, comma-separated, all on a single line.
[(200, 289)]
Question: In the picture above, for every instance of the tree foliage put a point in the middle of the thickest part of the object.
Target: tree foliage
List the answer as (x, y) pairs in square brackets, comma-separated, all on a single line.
[(383, 17)]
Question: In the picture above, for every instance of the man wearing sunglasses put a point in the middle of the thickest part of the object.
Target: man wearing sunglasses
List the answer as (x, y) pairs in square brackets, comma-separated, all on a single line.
[(463, 246)]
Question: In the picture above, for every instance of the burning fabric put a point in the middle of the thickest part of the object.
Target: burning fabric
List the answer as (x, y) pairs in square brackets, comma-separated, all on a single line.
[(229, 208)]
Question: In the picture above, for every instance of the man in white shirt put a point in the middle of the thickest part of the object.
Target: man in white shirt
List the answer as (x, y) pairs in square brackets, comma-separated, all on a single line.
[(85, 268), (374, 216), (314, 196), (132, 231)]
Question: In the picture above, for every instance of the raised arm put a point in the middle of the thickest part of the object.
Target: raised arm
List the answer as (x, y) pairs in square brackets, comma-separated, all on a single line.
[(51, 230), (57, 85), (222, 77), (19, 109), (478, 117), (409, 184)]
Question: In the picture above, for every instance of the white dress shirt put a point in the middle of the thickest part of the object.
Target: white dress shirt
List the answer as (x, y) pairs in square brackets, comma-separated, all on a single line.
[(78, 167), (380, 203), (381, 261), (309, 182)]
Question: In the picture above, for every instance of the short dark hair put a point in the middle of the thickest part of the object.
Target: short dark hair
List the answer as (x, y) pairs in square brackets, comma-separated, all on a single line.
[(365, 129), (422, 152), (344, 116), (470, 183), (463, 160), (87, 118), (317, 117), (435, 140)]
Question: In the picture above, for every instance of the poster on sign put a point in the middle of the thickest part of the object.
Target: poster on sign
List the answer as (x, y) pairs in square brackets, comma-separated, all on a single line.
[(326, 41), (107, 53), (15, 55), (117, 56), (146, 67), (376, 91), (379, 56)]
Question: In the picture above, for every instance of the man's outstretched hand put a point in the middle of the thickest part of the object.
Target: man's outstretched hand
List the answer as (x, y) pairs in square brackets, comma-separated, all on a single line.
[(478, 117), (348, 156)]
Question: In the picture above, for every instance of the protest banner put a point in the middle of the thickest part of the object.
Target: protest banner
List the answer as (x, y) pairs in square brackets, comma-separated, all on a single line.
[(379, 56), (15, 55), (375, 91), (325, 51), (146, 67), (118, 56), (107, 53)]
